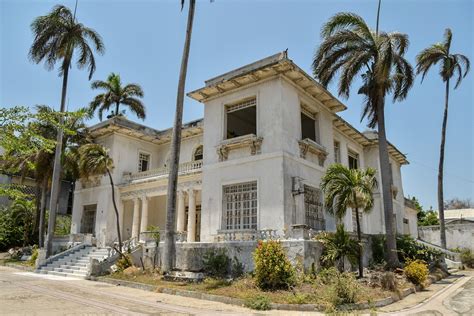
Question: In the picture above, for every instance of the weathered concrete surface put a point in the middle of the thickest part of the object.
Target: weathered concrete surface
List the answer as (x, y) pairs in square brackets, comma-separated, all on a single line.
[(23, 293), (451, 296)]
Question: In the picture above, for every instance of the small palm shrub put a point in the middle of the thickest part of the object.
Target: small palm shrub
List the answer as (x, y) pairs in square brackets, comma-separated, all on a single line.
[(416, 271), (273, 270), (337, 246), (216, 263), (467, 258), (259, 302)]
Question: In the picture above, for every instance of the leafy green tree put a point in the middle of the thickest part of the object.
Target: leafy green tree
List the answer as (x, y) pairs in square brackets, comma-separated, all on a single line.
[(451, 65), (429, 218), (349, 188), (169, 252), (116, 94), (94, 160), (351, 48), (57, 36)]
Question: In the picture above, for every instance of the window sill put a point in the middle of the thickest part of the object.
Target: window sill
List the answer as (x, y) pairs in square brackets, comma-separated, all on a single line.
[(308, 145), (251, 140)]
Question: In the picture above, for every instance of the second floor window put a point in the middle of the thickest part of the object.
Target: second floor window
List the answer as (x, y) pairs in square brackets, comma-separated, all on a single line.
[(337, 152), (143, 162), (241, 118), (353, 160), (198, 155), (309, 126)]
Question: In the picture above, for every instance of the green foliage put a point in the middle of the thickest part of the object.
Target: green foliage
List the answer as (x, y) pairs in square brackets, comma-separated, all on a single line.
[(155, 233), (337, 246), (409, 249), (63, 225), (259, 302), (416, 271), (467, 258), (34, 256), (428, 218), (273, 270), (342, 286), (378, 249), (298, 298), (216, 262), (237, 268), (16, 224)]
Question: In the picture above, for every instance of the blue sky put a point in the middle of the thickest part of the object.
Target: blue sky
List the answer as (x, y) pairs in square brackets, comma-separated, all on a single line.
[(144, 39)]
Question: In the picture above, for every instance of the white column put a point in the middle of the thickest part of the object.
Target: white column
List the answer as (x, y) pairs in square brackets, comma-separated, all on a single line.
[(144, 221), (136, 218), (181, 212), (191, 216)]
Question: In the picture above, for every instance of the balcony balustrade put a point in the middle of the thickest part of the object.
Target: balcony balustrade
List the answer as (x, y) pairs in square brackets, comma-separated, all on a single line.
[(186, 168)]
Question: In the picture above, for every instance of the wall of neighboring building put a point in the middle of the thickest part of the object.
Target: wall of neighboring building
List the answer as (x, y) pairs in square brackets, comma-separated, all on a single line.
[(457, 235)]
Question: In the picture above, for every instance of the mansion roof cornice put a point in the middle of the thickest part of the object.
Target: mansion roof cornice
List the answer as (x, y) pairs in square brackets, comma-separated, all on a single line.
[(275, 65)]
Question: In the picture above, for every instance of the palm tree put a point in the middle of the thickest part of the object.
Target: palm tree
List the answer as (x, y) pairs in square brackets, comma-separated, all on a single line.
[(116, 94), (57, 36), (169, 250), (349, 188), (451, 65), (94, 160), (350, 48)]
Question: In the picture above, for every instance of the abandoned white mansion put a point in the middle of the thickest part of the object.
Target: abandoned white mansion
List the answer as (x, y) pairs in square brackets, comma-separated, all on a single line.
[(253, 163)]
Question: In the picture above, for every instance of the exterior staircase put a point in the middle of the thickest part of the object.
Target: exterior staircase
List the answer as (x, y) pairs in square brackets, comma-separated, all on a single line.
[(74, 264)]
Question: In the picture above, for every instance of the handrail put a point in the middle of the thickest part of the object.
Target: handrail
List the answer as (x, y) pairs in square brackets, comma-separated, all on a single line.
[(184, 168)]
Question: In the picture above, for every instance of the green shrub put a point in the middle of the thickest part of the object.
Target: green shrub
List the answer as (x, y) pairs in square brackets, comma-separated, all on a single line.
[(467, 258), (327, 276), (345, 288), (216, 263), (259, 302), (237, 268), (409, 250), (337, 246), (298, 298), (155, 233), (16, 224), (378, 249), (273, 270), (63, 225), (34, 256), (416, 271)]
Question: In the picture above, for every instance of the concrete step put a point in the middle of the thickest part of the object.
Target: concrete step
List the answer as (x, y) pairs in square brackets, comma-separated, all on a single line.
[(66, 275), (73, 267)]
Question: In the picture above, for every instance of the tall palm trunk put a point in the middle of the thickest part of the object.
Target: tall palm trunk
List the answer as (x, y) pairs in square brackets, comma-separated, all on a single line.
[(56, 183), (442, 227), (44, 190), (117, 107), (119, 236), (391, 256), (359, 238), (169, 252)]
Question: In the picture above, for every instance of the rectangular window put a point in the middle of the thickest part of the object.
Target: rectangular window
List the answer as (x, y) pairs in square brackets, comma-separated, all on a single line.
[(313, 207), (240, 206), (241, 118), (88, 219), (337, 152), (353, 160), (143, 162)]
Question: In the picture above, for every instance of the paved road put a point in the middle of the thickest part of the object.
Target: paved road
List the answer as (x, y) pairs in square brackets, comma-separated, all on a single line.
[(455, 296)]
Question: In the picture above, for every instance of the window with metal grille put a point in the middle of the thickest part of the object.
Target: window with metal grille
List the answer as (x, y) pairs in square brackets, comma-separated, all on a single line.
[(198, 153), (241, 118), (240, 206), (143, 162), (313, 206), (337, 152), (88, 219)]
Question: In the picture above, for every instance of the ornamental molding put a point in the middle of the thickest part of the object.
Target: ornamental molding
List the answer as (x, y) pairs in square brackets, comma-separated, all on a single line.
[(153, 191), (307, 145), (252, 141)]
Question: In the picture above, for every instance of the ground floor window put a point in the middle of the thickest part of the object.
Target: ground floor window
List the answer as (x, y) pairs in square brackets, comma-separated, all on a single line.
[(88, 219), (313, 206), (240, 206)]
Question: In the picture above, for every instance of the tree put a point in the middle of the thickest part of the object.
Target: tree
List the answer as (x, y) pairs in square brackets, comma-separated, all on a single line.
[(94, 160), (349, 188), (450, 65), (116, 94), (170, 250), (428, 218), (57, 36), (457, 203), (351, 48)]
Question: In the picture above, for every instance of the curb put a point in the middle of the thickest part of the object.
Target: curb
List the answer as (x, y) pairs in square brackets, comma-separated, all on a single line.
[(289, 307)]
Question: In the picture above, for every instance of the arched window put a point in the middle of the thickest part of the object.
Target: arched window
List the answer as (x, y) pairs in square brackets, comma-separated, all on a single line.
[(198, 153)]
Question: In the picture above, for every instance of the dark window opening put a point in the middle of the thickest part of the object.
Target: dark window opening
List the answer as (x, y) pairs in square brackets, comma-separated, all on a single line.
[(353, 160), (308, 127), (242, 122), (144, 162), (88, 219), (198, 153)]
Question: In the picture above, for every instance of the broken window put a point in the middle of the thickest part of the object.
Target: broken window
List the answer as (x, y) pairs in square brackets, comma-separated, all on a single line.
[(242, 118), (143, 162), (309, 125), (353, 160)]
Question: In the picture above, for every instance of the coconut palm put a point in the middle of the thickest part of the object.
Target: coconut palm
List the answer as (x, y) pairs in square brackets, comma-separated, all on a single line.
[(116, 94), (349, 188), (450, 65), (350, 48), (94, 160), (57, 36), (338, 246), (170, 250)]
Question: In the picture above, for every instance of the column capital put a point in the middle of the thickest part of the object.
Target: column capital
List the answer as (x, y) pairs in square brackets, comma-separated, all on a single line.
[(145, 198), (191, 192), (181, 192)]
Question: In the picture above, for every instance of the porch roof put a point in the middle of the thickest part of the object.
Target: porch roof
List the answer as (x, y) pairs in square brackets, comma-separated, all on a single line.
[(278, 64), (124, 126)]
